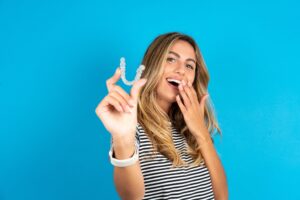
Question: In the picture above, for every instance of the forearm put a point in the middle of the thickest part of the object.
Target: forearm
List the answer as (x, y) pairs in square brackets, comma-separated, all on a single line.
[(215, 168), (129, 180)]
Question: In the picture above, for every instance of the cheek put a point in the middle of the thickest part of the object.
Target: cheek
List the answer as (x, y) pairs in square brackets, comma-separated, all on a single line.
[(167, 65), (191, 77)]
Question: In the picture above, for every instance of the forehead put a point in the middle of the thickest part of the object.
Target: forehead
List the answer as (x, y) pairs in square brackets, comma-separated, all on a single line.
[(183, 48)]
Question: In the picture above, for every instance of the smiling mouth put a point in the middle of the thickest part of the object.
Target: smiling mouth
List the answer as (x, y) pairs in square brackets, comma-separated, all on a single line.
[(173, 85)]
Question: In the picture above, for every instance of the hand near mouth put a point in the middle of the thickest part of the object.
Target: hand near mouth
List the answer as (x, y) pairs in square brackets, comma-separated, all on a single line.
[(193, 110)]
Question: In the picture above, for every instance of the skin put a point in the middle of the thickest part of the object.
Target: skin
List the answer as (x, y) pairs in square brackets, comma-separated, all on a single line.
[(118, 107), (178, 63), (182, 66)]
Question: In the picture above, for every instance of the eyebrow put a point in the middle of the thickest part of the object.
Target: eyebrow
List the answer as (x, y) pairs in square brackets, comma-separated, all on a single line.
[(177, 55)]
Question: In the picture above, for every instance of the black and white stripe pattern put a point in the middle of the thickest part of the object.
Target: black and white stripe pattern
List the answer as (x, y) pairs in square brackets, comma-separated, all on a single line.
[(164, 182)]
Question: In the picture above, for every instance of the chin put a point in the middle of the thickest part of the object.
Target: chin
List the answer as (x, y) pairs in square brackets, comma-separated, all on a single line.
[(172, 98)]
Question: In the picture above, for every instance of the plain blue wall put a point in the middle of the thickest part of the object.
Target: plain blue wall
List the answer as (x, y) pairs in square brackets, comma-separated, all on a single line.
[(55, 57)]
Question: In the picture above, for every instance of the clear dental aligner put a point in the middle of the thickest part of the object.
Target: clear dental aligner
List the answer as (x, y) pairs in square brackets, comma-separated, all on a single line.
[(137, 77)]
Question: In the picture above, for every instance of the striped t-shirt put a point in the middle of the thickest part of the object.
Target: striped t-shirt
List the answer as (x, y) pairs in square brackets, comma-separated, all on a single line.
[(162, 181)]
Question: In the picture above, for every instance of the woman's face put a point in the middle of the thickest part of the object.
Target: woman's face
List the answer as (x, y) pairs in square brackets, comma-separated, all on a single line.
[(179, 65)]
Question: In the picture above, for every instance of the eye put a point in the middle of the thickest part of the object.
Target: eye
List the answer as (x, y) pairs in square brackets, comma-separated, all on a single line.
[(190, 66), (171, 59)]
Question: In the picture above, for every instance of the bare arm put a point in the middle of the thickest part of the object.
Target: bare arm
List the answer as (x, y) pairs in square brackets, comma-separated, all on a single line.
[(215, 168), (118, 113), (129, 180)]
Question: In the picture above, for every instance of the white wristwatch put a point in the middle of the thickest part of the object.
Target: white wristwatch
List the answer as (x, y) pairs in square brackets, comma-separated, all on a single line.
[(125, 162)]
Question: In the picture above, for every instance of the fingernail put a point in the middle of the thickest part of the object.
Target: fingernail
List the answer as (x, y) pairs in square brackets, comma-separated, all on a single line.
[(183, 82), (118, 70), (127, 109), (144, 81), (189, 83), (180, 87)]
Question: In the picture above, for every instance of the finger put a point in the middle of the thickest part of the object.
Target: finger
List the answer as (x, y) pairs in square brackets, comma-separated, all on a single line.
[(123, 94), (121, 100), (111, 81), (180, 104), (189, 93), (114, 102), (136, 89), (183, 94), (193, 91)]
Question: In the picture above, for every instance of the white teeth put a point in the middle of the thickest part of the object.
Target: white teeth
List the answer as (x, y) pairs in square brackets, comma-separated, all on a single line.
[(173, 80)]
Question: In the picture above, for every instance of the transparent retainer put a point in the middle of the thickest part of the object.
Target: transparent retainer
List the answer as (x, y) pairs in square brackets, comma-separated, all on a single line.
[(137, 77)]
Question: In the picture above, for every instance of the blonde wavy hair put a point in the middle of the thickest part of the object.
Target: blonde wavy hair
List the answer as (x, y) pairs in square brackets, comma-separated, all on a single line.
[(154, 120)]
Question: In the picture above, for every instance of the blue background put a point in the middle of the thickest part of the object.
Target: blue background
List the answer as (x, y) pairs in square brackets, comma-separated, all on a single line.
[(55, 57)]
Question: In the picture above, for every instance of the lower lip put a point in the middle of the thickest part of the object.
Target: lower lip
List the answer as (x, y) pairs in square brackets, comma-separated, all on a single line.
[(173, 86)]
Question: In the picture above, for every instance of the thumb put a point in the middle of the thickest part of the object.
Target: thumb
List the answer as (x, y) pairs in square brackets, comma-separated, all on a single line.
[(136, 89)]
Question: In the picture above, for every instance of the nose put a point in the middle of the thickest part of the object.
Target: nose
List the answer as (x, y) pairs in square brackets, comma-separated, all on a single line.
[(180, 68)]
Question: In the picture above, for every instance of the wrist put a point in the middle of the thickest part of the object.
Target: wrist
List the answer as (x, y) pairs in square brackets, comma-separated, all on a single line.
[(123, 152), (203, 140), (123, 147), (123, 141), (123, 160)]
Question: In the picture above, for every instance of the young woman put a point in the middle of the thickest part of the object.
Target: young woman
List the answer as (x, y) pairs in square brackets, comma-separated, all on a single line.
[(162, 145)]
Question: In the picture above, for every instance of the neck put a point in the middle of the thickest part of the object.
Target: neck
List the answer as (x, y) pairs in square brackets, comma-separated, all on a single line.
[(164, 105)]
